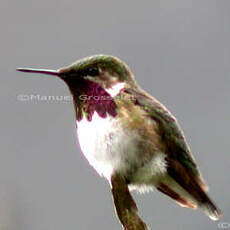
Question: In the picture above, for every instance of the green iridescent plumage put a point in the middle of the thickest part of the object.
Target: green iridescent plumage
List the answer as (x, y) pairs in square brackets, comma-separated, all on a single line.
[(171, 133), (110, 63)]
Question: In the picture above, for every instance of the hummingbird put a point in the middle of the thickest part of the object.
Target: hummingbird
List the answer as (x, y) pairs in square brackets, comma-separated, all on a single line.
[(129, 137)]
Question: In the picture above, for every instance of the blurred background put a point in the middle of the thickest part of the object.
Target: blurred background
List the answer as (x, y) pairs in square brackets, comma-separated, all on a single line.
[(179, 52)]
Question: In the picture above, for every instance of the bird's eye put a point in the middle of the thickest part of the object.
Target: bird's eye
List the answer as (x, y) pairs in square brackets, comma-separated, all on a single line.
[(92, 71)]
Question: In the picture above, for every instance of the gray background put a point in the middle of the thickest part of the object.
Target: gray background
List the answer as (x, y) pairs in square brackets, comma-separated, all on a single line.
[(179, 52)]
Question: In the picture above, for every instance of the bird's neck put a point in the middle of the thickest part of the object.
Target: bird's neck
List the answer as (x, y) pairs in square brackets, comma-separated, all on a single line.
[(89, 97)]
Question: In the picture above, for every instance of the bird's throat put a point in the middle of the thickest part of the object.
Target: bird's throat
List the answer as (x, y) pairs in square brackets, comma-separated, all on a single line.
[(89, 97)]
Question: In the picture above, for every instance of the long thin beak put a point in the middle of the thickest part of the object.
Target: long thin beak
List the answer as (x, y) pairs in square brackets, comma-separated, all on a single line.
[(42, 71)]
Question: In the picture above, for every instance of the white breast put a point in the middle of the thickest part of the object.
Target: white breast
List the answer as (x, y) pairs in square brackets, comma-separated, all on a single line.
[(105, 144), (110, 147)]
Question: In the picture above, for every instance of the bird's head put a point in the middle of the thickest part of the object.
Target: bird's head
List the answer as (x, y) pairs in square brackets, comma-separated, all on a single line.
[(105, 71)]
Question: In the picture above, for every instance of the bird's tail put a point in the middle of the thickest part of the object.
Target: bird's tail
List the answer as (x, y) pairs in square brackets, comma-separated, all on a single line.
[(191, 197), (210, 209), (197, 191), (190, 190)]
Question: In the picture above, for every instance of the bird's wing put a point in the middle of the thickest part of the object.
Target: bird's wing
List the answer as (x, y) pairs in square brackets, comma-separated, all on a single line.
[(180, 158), (181, 165)]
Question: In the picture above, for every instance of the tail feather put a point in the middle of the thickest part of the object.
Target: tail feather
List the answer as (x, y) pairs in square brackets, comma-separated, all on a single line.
[(211, 210), (174, 194), (193, 186)]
